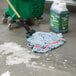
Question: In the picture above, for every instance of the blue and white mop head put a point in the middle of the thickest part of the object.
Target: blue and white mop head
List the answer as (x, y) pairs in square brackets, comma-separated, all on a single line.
[(43, 42)]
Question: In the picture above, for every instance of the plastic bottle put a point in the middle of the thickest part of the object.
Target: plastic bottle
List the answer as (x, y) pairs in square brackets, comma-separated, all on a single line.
[(59, 17)]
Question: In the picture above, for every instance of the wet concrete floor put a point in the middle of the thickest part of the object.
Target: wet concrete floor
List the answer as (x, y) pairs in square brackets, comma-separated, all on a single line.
[(58, 62)]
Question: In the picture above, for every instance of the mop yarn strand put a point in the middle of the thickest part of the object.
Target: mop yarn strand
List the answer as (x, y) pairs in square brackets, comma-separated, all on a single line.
[(43, 42)]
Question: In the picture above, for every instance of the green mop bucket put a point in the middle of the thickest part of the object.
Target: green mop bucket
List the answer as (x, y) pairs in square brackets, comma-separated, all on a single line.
[(26, 8)]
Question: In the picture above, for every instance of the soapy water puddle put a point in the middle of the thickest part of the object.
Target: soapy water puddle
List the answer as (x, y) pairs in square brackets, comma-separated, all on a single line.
[(16, 54)]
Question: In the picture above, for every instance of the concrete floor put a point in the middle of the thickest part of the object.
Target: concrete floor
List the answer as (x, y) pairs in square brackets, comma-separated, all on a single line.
[(63, 59)]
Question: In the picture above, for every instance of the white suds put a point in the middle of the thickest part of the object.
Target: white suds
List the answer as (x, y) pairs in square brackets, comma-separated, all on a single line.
[(65, 60), (15, 54), (46, 54), (51, 67), (6, 74), (43, 65), (34, 63)]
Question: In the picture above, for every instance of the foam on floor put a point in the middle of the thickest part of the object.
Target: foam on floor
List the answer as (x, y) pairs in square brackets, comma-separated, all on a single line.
[(15, 54), (6, 74)]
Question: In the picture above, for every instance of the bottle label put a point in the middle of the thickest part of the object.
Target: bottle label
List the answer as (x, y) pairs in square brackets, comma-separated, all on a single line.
[(59, 21)]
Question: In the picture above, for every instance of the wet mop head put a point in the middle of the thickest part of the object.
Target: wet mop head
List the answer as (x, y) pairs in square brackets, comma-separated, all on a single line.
[(43, 42)]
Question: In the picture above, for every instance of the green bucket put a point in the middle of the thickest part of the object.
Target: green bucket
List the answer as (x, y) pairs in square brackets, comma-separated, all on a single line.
[(26, 8)]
